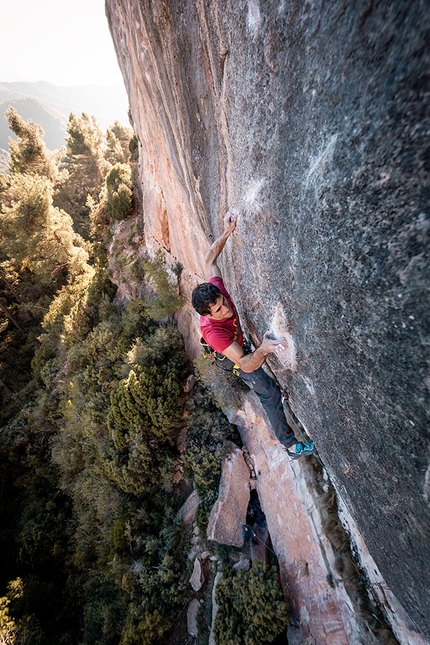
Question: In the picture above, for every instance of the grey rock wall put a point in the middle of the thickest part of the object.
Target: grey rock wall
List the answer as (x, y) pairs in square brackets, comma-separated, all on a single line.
[(311, 118)]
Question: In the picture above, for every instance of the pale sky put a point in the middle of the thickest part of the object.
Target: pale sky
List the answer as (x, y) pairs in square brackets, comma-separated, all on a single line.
[(65, 42)]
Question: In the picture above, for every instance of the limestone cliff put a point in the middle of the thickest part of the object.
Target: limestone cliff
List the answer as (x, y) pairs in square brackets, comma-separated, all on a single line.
[(311, 119)]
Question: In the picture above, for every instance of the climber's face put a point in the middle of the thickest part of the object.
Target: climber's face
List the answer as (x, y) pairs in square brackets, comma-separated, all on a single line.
[(220, 309)]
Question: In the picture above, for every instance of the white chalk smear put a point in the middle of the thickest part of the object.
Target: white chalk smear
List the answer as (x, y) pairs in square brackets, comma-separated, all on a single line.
[(309, 385), (254, 17), (321, 161), (252, 192), (279, 328), (427, 485)]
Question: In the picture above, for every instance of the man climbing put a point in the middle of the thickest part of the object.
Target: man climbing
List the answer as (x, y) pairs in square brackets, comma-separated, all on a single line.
[(221, 331)]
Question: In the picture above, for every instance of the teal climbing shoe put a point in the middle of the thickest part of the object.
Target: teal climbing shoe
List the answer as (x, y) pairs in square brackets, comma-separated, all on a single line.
[(301, 449)]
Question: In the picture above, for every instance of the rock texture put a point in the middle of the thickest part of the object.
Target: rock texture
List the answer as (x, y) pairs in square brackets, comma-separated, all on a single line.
[(192, 611), (189, 509), (229, 511), (197, 578), (311, 119), (324, 607)]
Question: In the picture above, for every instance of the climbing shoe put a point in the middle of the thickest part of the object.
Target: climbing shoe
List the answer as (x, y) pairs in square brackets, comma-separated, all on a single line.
[(301, 449)]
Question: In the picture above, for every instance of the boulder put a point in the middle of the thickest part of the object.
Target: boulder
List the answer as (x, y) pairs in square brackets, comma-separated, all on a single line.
[(192, 612), (189, 508), (229, 511), (189, 383), (197, 577)]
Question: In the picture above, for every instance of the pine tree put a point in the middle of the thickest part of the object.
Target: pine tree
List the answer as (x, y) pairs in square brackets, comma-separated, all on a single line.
[(252, 609), (39, 239), (118, 139), (29, 154), (83, 170)]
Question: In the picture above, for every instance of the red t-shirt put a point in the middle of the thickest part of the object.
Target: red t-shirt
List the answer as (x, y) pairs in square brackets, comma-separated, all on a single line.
[(220, 334)]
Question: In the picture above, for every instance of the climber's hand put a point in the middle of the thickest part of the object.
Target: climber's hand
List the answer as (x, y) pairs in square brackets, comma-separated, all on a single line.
[(230, 221), (273, 346)]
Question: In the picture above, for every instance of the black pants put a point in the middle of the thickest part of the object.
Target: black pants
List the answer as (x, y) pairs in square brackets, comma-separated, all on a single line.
[(270, 396)]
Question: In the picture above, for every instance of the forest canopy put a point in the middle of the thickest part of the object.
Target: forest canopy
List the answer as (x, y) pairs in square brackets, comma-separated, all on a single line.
[(92, 545), (92, 549)]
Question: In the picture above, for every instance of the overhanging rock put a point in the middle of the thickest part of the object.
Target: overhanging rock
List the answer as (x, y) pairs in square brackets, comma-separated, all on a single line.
[(312, 120)]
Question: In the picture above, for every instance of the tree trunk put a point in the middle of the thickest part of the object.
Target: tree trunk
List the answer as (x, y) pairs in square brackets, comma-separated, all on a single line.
[(11, 318)]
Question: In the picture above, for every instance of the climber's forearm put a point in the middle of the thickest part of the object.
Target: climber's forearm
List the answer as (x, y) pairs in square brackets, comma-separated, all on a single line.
[(251, 362), (247, 362), (211, 267)]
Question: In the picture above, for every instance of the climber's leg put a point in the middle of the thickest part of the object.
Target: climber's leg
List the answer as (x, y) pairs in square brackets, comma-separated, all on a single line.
[(271, 399)]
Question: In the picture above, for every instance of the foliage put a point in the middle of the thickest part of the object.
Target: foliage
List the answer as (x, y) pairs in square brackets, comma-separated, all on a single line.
[(115, 202), (166, 300), (146, 629), (119, 191), (40, 253), (252, 609), (50, 251), (29, 154), (88, 157), (7, 624), (92, 403), (118, 142)]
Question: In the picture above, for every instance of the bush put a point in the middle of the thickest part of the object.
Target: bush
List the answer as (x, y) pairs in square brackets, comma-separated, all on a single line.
[(148, 400), (119, 191), (148, 629), (252, 609), (166, 300)]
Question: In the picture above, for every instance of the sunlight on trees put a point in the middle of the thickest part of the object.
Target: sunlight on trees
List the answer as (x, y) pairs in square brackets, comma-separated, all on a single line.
[(92, 404)]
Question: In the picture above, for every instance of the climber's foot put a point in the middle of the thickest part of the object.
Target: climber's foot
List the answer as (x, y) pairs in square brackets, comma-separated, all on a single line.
[(301, 449)]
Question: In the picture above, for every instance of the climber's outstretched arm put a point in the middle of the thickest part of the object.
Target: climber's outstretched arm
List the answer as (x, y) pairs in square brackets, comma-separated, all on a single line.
[(251, 362), (211, 267)]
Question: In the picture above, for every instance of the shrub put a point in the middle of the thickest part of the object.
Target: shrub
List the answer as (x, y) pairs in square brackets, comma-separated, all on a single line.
[(119, 191), (149, 399), (252, 609), (166, 300), (148, 629)]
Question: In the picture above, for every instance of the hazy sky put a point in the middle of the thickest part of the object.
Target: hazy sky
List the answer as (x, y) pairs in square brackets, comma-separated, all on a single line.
[(66, 42)]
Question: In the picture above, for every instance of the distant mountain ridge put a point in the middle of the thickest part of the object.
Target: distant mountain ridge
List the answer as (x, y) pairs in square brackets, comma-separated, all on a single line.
[(50, 105)]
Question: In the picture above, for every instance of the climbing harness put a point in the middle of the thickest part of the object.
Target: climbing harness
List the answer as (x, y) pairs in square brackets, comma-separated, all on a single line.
[(208, 351), (225, 363)]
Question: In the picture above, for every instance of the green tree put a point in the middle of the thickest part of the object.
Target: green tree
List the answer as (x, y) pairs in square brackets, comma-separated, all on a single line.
[(119, 191), (118, 139), (83, 168), (29, 154), (115, 202), (39, 238), (252, 609), (40, 253), (166, 300)]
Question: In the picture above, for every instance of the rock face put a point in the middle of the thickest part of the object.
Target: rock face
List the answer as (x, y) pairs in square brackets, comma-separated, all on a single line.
[(310, 118)]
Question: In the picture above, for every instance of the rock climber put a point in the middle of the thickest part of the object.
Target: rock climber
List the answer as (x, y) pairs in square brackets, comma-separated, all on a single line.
[(223, 338)]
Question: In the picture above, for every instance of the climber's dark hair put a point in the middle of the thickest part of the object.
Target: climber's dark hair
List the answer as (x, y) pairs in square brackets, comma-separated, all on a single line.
[(204, 296)]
